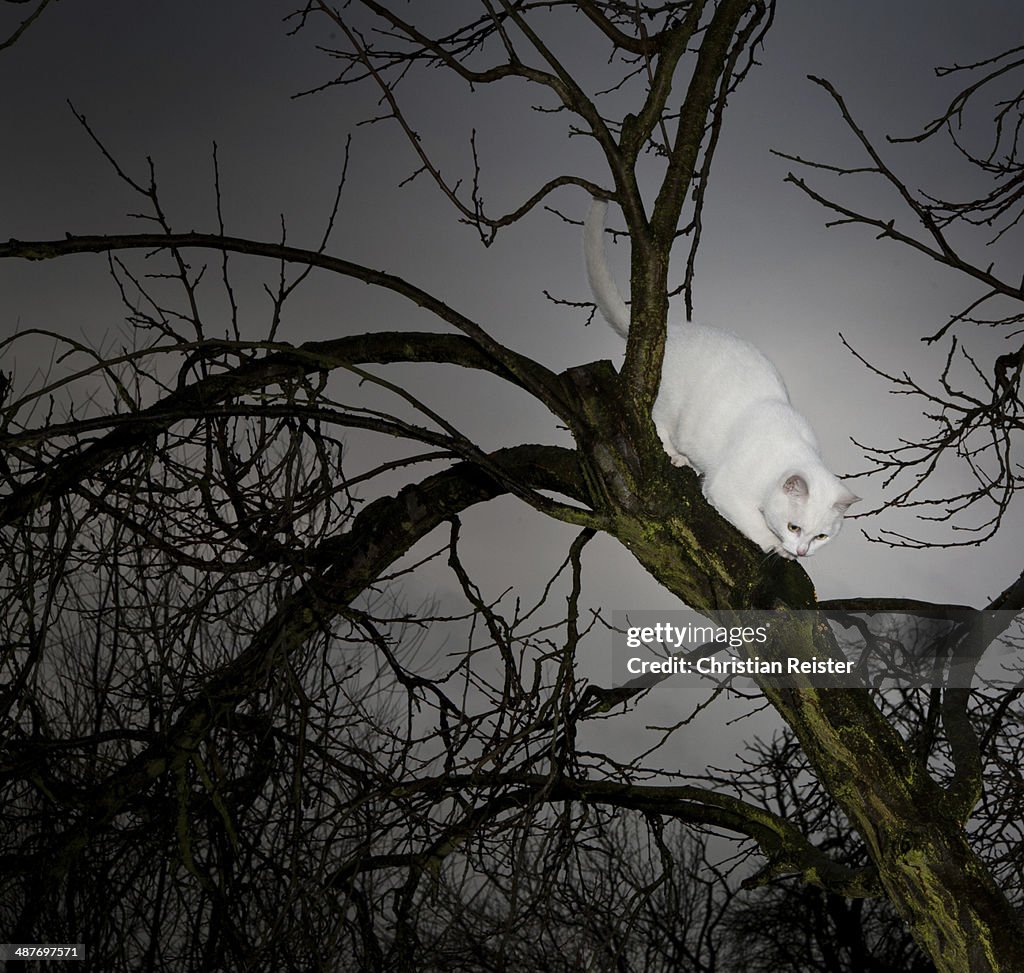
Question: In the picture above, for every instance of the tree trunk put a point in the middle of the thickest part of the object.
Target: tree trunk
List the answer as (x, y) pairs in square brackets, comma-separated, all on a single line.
[(911, 827)]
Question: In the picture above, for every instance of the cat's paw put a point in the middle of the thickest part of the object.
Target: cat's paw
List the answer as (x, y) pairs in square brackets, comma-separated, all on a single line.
[(774, 547), (678, 459)]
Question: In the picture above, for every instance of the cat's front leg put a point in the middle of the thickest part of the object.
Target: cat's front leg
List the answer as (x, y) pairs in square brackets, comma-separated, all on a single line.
[(677, 458), (746, 517)]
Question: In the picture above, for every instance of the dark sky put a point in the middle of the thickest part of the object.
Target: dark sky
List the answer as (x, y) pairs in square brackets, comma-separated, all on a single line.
[(169, 80)]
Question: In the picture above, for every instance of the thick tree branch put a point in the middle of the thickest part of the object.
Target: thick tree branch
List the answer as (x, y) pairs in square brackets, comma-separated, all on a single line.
[(651, 245), (135, 431), (546, 391), (787, 850)]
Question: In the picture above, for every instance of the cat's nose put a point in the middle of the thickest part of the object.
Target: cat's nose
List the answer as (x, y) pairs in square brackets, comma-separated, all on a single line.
[(802, 550)]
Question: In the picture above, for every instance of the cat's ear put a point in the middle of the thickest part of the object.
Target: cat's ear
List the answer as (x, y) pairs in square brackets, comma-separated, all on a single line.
[(846, 499), (795, 487)]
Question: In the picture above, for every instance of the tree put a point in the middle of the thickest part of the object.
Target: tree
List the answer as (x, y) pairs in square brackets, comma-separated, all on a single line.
[(202, 533)]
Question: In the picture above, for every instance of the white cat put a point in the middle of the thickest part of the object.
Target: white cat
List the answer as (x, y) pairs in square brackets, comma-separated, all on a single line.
[(723, 408)]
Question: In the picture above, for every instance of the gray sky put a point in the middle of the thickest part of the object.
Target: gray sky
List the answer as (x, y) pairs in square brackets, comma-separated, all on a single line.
[(167, 80)]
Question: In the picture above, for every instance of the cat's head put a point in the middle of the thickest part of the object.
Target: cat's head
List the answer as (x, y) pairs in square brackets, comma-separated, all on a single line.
[(805, 512)]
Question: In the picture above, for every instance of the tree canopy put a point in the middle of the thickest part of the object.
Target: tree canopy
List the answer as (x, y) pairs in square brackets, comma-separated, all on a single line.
[(233, 736)]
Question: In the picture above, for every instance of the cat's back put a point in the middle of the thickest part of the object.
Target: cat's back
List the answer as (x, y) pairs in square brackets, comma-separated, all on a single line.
[(700, 359), (714, 386)]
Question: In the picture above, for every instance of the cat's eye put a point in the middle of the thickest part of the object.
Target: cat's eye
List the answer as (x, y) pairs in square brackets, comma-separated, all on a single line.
[(794, 528), (821, 537)]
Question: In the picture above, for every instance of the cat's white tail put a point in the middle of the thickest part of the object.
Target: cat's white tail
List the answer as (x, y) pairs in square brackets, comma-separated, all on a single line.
[(609, 301)]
